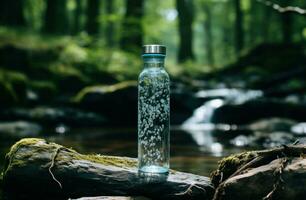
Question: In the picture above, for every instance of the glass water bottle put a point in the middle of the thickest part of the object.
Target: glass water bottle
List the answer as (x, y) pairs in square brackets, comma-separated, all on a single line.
[(153, 112)]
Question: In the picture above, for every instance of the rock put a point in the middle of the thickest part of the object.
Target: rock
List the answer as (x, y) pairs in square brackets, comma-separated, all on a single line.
[(259, 182), (111, 198), (272, 124), (253, 110), (42, 90), (54, 116), (12, 88), (19, 129), (69, 79), (118, 102), (263, 139), (256, 66), (58, 172), (182, 105), (268, 174)]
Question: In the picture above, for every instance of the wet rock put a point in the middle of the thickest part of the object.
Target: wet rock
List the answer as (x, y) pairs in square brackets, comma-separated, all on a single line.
[(111, 198), (272, 124), (19, 129), (182, 105), (277, 173), (253, 110), (263, 139), (267, 181), (54, 116), (12, 87), (118, 102)]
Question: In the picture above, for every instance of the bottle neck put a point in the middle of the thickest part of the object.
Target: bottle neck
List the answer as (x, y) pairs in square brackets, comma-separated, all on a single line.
[(153, 60)]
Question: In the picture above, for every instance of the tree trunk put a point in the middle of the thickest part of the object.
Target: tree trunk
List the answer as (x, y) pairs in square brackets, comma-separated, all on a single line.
[(239, 34), (56, 17), (132, 30), (77, 17), (185, 16), (11, 13), (38, 169), (287, 23), (208, 34), (93, 13), (266, 20), (110, 23)]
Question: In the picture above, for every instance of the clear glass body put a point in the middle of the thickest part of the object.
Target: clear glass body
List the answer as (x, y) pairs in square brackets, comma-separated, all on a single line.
[(153, 116)]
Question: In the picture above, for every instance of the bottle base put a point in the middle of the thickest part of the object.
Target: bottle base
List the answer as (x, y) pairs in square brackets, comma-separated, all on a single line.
[(154, 169)]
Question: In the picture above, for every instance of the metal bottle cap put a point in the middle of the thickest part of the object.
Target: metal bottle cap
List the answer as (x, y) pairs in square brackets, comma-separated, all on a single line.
[(154, 49)]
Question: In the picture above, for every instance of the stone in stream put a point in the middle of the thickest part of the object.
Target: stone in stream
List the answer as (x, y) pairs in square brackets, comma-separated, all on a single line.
[(36, 168), (118, 102), (54, 115), (19, 129), (253, 110), (110, 198), (272, 124), (263, 139)]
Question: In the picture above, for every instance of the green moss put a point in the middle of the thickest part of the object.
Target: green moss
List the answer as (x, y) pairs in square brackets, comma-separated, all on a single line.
[(229, 165), (102, 89), (109, 160), (9, 162), (42, 145), (22, 142)]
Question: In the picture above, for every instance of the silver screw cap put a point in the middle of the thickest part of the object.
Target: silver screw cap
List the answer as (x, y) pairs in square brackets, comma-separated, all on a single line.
[(154, 49)]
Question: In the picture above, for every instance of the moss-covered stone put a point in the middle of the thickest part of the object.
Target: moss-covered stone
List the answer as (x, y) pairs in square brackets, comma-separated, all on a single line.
[(229, 165), (9, 162), (12, 87), (45, 90), (102, 89)]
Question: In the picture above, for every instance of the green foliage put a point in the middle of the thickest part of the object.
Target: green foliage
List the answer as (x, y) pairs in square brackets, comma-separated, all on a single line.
[(72, 53)]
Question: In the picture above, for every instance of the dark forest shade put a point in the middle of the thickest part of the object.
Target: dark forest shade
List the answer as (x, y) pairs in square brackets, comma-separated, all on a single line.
[(93, 12), (286, 25), (132, 30), (110, 23), (56, 17), (239, 34), (185, 15), (77, 16), (12, 13)]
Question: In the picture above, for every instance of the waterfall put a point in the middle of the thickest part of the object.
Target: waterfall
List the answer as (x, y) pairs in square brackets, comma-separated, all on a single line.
[(199, 125)]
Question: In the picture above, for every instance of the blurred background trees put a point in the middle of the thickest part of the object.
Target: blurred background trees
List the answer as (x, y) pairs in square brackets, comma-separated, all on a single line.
[(65, 64), (203, 31)]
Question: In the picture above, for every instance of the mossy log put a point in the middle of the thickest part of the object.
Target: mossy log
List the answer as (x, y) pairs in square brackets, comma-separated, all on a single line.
[(36, 168), (278, 173)]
